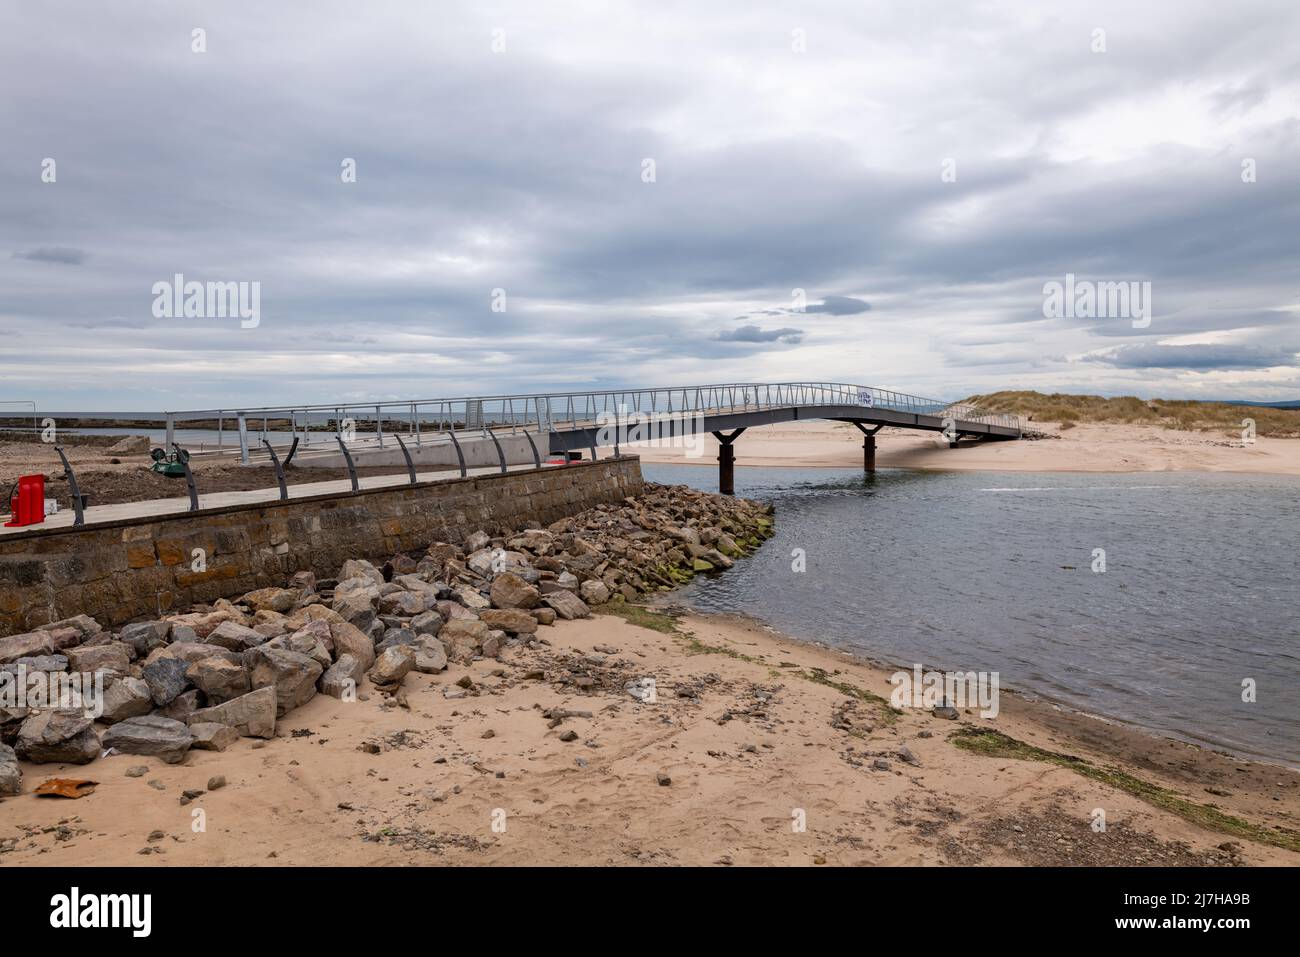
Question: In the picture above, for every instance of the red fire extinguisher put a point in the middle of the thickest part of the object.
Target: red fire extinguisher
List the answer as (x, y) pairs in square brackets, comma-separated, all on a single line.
[(27, 501)]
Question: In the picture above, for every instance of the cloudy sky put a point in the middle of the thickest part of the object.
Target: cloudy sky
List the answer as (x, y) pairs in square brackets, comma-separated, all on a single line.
[(918, 170)]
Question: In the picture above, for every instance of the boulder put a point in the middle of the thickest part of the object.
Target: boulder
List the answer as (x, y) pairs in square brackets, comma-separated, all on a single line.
[(85, 627), (428, 623), (219, 679), (115, 656), (166, 679), (544, 616), (235, 637), (430, 656), (192, 651), (470, 598), (151, 735), (475, 542), (44, 663), (342, 677), (271, 599), (450, 610), (210, 736), (356, 609), (396, 636), (404, 603), (11, 776), (183, 705), (513, 620), (350, 640), (511, 591), (252, 715), (567, 605), (126, 698), (145, 636), (292, 675), (313, 640), (594, 592), (463, 638), (393, 665), (358, 568), (65, 737)]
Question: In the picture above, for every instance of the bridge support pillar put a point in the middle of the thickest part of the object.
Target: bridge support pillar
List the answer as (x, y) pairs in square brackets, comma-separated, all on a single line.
[(868, 446), (727, 461)]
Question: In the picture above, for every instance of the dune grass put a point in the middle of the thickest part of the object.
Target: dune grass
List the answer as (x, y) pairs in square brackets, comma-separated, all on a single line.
[(1182, 414)]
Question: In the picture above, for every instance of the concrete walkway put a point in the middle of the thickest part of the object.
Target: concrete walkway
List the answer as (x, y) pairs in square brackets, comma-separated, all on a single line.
[(102, 514)]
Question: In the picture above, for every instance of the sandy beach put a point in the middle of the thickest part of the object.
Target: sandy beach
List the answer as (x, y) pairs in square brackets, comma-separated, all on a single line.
[(756, 736), (1084, 448)]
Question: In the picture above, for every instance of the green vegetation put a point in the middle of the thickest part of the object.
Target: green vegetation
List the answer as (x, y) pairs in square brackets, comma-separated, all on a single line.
[(995, 744), (1180, 414)]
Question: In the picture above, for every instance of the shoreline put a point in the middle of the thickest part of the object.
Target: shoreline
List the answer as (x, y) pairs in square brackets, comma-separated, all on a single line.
[(753, 736), (670, 604)]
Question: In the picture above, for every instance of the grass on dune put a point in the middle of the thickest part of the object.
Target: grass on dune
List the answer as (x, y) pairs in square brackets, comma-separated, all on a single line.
[(1182, 414)]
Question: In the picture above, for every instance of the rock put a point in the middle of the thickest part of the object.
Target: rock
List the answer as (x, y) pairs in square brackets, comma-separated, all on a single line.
[(567, 605), (219, 679), (905, 753), (252, 715), (48, 664), (313, 640), (476, 542), (150, 735), (544, 616), (357, 568), (427, 623), (235, 637), (463, 638), (115, 656), (11, 776), (210, 736), (126, 698), (145, 636), (342, 678), (393, 665), (594, 592), (510, 591), (356, 609), (216, 782), (49, 737), (293, 676), (663, 779), (568, 736), (137, 771), (944, 711), (183, 705), (271, 599), (430, 656), (492, 644), (470, 598), (84, 626), (512, 620), (450, 610), (350, 640), (396, 636), (880, 764), (643, 689), (404, 603), (166, 679), (192, 651)]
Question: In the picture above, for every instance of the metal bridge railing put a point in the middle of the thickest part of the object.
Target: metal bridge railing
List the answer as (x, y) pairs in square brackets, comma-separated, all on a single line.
[(438, 420)]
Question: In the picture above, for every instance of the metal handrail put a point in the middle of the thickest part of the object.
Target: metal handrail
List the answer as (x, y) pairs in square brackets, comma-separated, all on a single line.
[(426, 419)]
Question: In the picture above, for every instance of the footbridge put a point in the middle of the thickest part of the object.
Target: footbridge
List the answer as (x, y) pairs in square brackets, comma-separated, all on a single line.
[(471, 431)]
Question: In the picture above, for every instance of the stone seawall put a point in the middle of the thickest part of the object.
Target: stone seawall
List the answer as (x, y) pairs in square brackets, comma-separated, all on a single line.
[(119, 571)]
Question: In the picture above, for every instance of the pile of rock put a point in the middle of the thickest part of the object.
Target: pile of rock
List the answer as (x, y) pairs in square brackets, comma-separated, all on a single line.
[(206, 677)]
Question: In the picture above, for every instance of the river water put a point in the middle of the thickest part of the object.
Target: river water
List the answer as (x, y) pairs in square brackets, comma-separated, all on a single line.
[(991, 571)]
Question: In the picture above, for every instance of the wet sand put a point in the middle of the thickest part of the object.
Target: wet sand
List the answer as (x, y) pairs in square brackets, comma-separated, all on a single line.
[(756, 734)]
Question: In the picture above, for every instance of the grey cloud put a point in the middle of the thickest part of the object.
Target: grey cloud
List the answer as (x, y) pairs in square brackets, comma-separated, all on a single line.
[(757, 334), (53, 254), (840, 306), (1199, 357)]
